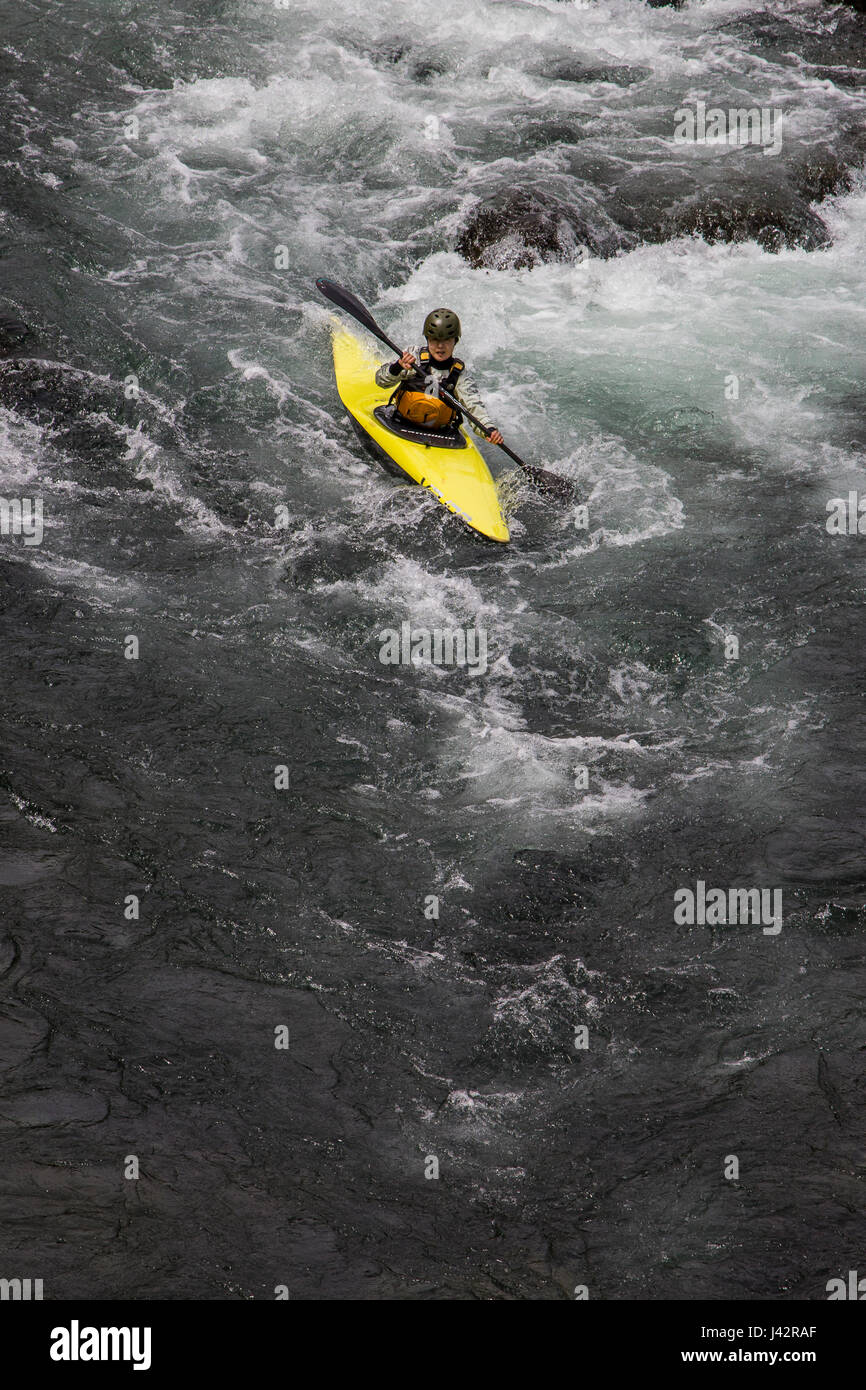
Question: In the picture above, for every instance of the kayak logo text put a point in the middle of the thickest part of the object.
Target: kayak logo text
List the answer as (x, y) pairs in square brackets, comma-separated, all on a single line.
[(740, 125), (714, 907), (22, 516), (76, 1343), (438, 646)]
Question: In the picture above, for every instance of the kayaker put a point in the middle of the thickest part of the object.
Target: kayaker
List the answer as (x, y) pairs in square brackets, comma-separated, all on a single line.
[(425, 370)]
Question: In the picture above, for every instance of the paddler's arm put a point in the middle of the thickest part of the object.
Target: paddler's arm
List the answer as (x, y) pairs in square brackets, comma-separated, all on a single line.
[(391, 372), (467, 394)]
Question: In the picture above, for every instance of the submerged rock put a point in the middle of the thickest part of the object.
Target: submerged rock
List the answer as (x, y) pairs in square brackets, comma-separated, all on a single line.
[(842, 76), (516, 229), (85, 415), (422, 62), (61, 397), (568, 70), (14, 334)]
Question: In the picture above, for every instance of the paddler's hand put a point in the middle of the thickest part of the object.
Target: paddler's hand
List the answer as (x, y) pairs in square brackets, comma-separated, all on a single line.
[(407, 361), (495, 437)]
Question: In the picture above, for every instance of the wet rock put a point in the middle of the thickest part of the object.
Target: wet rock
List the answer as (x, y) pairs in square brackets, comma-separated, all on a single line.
[(771, 219), (842, 76), (567, 70), (641, 197), (832, 39), (521, 228), (766, 200), (757, 204), (819, 175)]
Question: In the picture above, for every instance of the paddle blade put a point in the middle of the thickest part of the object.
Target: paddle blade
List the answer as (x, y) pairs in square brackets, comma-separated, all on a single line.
[(542, 480), (344, 299), (550, 483)]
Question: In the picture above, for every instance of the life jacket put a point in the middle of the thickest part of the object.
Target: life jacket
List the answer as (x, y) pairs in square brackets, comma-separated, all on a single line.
[(423, 409)]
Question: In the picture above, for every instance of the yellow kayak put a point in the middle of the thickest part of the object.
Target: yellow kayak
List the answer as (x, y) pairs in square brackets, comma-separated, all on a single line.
[(446, 462)]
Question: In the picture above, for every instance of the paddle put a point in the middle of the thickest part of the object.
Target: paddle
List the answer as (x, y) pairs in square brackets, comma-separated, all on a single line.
[(541, 478)]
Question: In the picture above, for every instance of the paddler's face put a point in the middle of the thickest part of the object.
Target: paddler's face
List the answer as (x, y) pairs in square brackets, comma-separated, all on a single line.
[(441, 350)]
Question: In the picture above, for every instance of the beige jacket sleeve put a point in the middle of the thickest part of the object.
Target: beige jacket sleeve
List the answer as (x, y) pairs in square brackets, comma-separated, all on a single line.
[(384, 377)]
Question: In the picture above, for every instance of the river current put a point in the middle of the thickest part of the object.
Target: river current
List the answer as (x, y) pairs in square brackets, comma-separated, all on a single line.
[(418, 1017)]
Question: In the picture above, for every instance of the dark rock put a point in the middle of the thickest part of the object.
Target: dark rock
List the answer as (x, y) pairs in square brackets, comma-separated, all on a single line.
[(755, 203), (768, 218), (764, 29), (835, 40), (819, 175), (641, 197), (842, 76), (537, 131), (850, 145), (567, 70), (520, 228)]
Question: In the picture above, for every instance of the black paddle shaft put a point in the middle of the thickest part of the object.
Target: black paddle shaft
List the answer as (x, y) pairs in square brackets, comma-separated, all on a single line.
[(344, 299)]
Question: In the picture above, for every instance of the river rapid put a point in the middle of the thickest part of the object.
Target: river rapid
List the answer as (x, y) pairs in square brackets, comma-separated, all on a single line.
[(512, 1069)]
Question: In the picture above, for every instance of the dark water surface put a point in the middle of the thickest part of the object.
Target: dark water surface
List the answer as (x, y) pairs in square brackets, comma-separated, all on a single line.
[(360, 143)]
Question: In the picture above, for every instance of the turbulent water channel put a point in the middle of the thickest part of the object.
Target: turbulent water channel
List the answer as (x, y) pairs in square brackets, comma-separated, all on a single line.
[(460, 899)]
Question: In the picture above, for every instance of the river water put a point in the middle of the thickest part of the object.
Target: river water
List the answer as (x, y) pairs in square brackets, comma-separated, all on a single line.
[(705, 397)]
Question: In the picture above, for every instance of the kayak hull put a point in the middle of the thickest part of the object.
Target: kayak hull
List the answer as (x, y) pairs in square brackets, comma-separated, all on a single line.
[(457, 477)]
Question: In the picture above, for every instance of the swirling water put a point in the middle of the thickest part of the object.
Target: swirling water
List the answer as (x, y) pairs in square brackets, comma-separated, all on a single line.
[(154, 161)]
